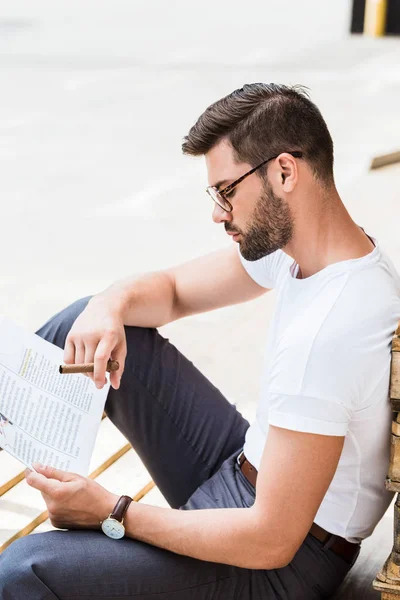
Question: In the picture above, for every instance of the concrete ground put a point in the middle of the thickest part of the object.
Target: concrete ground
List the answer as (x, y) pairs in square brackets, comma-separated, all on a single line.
[(95, 99)]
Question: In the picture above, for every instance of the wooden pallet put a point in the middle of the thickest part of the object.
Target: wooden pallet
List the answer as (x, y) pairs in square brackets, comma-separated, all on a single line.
[(387, 581)]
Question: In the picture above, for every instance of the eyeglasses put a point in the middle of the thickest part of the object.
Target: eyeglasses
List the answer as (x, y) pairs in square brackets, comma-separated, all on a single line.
[(219, 195)]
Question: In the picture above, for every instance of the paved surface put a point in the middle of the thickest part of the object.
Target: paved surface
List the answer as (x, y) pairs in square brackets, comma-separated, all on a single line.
[(95, 99)]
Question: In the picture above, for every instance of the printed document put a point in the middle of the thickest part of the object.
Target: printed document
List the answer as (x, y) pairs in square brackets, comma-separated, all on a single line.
[(45, 417)]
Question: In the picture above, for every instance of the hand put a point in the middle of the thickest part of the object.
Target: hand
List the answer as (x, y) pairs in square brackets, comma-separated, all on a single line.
[(73, 501), (97, 335)]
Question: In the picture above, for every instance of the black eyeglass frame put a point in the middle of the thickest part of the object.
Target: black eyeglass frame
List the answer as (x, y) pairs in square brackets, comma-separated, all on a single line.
[(229, 188)]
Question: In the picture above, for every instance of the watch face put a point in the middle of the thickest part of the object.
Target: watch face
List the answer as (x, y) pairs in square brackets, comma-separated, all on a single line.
[(113, 528)]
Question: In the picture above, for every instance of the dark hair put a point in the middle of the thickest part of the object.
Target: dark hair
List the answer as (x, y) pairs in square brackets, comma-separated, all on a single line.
[(264, 119)]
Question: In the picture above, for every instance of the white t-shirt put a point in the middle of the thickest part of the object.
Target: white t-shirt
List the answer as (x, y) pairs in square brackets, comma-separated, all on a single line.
[(327, 370)]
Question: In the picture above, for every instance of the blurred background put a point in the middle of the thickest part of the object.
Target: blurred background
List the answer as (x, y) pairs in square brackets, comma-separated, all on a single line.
[(95, 99)]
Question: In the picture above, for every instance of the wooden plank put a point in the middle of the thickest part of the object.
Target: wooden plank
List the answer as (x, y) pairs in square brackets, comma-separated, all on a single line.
[(386, 590), (392, 486), (395, 376), (396, 426), (385, 160), (394, 462), (155, 498), (127, 476), (10, 473)]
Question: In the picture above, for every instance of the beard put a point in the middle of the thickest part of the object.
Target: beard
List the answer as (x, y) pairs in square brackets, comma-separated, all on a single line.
[(270, 227)]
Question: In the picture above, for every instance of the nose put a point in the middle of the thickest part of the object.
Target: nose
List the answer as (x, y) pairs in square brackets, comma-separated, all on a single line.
[(219, 215)]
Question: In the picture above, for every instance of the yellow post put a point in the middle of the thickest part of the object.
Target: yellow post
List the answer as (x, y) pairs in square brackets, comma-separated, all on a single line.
[(375, 17)]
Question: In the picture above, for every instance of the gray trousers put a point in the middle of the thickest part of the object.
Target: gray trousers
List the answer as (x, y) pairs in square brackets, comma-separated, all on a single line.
[(188, 436)]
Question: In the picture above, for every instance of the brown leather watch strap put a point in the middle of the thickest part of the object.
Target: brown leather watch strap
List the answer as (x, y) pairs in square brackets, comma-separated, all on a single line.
[(120, 508)]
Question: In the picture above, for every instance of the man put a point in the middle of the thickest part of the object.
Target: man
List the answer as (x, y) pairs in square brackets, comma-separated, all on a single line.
[(285, 502)]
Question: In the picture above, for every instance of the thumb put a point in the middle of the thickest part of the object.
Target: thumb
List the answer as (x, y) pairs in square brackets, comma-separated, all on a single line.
[(53, 473)]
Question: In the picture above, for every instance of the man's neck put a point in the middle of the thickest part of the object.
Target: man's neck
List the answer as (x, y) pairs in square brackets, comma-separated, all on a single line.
[(326, 236)]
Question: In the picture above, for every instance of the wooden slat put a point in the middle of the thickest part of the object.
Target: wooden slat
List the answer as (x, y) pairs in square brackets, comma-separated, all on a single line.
[(128, 476), (396, 425), (155, 498), (391, 485), (394, 462), (386, 590), (385, 160), (395, 377), (8, 485)]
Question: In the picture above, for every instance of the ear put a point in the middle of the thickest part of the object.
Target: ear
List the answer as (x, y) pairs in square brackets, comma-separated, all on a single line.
[(286, 172)]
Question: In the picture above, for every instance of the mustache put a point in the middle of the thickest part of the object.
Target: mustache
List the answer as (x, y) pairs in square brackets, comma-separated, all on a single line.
[(231, 229)]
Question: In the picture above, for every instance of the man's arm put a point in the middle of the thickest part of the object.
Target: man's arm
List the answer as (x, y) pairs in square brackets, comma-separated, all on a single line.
[(200, 285), (295, 472), (152, 300)]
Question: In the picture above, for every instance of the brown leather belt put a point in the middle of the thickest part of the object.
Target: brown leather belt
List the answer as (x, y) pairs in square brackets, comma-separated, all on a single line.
[(339, 545)]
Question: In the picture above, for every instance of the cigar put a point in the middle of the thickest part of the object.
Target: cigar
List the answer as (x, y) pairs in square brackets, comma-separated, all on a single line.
[(112, 365)]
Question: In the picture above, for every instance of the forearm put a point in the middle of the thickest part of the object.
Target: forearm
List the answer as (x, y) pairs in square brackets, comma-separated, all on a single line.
[(227, 535), (144, 300)]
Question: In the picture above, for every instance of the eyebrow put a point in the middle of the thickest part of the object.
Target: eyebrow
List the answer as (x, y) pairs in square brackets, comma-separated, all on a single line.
[(220, 183)]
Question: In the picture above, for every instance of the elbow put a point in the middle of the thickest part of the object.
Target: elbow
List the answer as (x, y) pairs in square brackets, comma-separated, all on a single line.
[(272, 560), (284, 559), (270, 551), (280, 555), (267, 556)]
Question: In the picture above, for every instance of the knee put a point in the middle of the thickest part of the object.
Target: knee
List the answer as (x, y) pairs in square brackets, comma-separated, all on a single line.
[(17, 576), (56, 329), (143, 342)]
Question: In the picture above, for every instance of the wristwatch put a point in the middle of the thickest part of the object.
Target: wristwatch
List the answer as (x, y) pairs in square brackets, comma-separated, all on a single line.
[(113, 525)]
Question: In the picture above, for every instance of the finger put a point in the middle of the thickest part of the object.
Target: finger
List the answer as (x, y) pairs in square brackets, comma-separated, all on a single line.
[(69, 352), (90, 350), (101, 356), (118, 354), (79, 353), (40, 482), (53, 473)]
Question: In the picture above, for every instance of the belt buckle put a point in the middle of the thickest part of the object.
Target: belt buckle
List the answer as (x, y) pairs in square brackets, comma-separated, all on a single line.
[(238, 458)]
